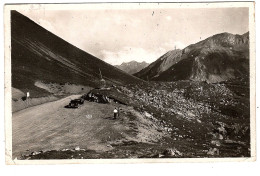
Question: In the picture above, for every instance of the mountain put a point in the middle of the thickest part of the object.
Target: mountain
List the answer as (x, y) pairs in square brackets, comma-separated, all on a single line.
[(218, 58), (132, 66), (39, 55)]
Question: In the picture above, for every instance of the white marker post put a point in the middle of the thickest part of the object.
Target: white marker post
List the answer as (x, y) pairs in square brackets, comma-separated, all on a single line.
[(27, 94), (27, 98)]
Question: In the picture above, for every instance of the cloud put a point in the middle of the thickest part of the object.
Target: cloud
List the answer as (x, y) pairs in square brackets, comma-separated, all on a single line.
[(171, 44), (121, 19), (111, 30), (169, 18), (127, 54)]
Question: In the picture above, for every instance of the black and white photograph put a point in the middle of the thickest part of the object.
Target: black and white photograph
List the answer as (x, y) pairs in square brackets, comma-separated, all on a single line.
[(143, 82)]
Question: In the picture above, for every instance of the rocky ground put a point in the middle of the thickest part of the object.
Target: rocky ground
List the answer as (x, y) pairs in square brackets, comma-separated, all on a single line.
[(213, 119), (169, 120)]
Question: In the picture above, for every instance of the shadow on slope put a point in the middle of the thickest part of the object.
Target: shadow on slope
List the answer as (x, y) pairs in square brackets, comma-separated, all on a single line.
[(38, 55)]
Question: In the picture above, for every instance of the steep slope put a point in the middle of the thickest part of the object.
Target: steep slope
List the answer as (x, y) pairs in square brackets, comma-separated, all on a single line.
[(39, 55), (160, 65), (218, 58), (132, 66)]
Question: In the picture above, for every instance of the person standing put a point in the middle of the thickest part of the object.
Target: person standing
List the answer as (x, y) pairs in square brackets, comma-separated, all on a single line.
[(115, 113)]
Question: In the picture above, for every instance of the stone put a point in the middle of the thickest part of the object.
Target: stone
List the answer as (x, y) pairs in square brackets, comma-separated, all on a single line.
[(199, 121), (222, 130), (160, 155), (213, 151), (216, 142), (220, 137), (77, 148), (147, 114), (172, 152)]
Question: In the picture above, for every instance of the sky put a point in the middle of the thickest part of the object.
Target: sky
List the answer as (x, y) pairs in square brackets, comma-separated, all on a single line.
[(118, 36)]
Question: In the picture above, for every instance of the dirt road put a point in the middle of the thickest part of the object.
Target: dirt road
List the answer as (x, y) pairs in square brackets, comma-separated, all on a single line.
[(50, 126)]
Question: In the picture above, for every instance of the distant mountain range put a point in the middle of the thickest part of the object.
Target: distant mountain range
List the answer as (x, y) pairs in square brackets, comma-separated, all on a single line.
[(39, 55), (132, 66), (218, 58)]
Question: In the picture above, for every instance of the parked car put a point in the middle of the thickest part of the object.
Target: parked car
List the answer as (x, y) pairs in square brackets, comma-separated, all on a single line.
[(75, 103)]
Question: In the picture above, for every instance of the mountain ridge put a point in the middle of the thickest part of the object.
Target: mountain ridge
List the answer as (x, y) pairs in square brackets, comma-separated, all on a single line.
[(39, 55), (218, 58), (132, 66)]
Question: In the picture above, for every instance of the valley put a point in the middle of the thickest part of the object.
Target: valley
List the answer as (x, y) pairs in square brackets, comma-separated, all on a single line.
[(157, 120), (189, 103)]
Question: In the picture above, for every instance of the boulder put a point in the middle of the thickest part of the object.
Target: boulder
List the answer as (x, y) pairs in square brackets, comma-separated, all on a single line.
[(213, 151)]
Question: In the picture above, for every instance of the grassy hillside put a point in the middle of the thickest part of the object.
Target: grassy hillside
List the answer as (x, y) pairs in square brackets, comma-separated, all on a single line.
[(39, 55)]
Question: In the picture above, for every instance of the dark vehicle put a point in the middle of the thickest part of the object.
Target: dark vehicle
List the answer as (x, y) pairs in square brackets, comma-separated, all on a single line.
[(80, 100), (75, 103)]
